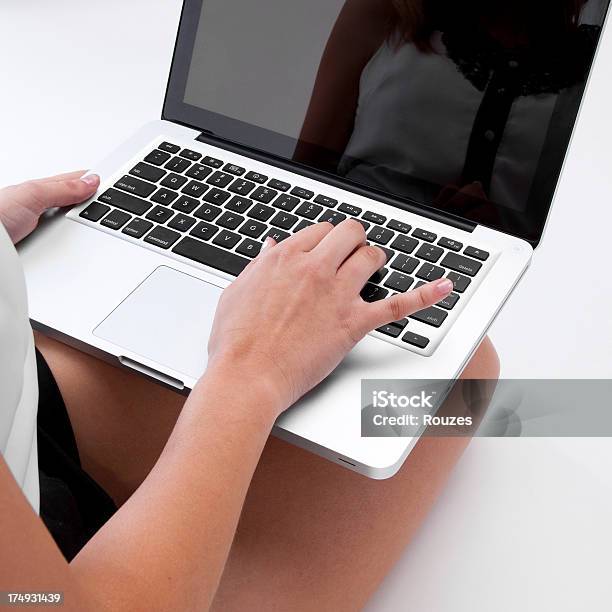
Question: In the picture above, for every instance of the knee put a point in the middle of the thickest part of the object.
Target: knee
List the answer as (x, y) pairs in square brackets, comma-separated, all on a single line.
[(484, 364)]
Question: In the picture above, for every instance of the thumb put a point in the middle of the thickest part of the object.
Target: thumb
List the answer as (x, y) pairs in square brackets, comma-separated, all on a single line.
[(40, 196)]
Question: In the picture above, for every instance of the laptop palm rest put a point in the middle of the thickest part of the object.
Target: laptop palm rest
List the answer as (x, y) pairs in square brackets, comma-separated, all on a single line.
[(167, 320)]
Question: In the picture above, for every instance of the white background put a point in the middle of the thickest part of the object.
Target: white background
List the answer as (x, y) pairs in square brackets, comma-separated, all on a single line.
[(523, 524)]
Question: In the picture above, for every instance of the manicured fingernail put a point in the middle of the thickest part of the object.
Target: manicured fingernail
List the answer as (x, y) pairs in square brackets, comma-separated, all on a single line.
[(91, 179), (444, 286)]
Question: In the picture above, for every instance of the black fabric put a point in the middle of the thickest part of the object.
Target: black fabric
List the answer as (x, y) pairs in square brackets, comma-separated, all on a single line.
[(72, 505)]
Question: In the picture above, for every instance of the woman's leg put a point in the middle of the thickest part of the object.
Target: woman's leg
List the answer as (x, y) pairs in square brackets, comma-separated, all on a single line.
[(312, 535)]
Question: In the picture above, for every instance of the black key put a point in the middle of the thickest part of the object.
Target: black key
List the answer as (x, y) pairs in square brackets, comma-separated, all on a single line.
[(380, 235), (195, 189), (325, 201), (300, 192), (280, 185), (424, 235), (263, 194), (399, 226), (182, 223), (349, 209), (234, 169), (241, 187), (230, 220), (162, 237), (239, 205), (405, 244), (217, 196), (476, 253), (458, 263), (157, 158), (198, 172), (333, 217), (388, 252), (373, 293), (431, 316), (406, 264), (95, 211), (302, 225), (419, 285), (169, 147), (401, 323), (262, 213), (449, 302), (309, 210), (430, 273), (451, 245), (284, 220), (161, 214), (164, 196), (209, 255), (374, 218), (204, 231), (137, 228), (227, 239), (256, 177), (461, 283), (186, 204), (174, 181), (176, 164), (277, 235), (126, 202), (150, 173), (250, 248), (416, 340), (212, 162), (116, 219), (208, 212), (220, 179), (254, 229), (365, 224), (379, 276), (286, 202), (429, 252), (390, 330), (399, 282), (192, 155)]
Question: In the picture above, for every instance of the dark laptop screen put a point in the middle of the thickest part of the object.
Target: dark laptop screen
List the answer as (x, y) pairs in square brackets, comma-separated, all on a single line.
[(465, 106)]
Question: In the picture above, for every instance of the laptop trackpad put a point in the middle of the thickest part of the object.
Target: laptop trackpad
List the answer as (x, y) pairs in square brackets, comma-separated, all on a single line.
[(167, 319)]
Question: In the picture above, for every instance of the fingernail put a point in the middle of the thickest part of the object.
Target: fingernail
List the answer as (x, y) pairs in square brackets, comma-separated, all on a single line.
[(267, 243), (90, 179), (444, 286)]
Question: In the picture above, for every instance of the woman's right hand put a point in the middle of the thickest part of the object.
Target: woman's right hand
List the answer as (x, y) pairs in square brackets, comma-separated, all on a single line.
[(296, 311)]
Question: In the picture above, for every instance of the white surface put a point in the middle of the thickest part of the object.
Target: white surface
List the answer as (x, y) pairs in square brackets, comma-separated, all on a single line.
[(523, 524)]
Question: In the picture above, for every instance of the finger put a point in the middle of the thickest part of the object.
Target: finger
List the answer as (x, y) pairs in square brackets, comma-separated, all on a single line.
[(358, 268), (67, 176), (268, 243), (403, 305), (307, 239), (340, 243), (42, 196)]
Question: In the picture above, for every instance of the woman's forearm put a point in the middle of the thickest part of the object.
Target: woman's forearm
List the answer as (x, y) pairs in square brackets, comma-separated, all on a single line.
[(166, 547)]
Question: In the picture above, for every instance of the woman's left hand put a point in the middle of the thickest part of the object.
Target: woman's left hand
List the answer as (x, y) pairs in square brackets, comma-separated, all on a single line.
[(22, 205)]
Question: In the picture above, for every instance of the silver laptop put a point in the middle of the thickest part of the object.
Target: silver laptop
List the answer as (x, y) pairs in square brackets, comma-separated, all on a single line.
[(443, 130)]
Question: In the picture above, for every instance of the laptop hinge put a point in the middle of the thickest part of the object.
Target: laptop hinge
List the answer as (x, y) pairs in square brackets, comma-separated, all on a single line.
[(335, 181)]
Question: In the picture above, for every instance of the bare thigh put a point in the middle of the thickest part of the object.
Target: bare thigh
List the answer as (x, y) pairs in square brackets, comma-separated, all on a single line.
[(312, 536)]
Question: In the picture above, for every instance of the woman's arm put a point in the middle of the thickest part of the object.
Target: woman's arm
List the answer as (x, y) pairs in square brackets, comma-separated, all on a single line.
[(361, 28), (280, 329)]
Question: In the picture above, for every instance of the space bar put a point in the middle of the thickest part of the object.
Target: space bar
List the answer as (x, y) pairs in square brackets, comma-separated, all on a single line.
[(211, 256)]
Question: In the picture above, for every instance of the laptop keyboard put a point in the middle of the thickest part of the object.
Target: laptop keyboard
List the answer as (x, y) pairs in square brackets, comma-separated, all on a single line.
[(219, 214)]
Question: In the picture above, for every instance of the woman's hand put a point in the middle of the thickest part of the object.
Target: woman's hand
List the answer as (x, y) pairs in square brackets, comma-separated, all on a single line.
[(22, 205), (295, 312)]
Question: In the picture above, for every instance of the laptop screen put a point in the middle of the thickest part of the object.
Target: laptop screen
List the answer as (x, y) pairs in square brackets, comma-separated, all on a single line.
[(467, 107)]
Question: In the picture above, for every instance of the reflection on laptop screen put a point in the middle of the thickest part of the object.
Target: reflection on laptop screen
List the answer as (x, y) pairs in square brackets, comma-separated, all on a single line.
[(467, 106)]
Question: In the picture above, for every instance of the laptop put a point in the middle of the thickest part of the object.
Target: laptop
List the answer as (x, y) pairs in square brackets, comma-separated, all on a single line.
[(443, 131)]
